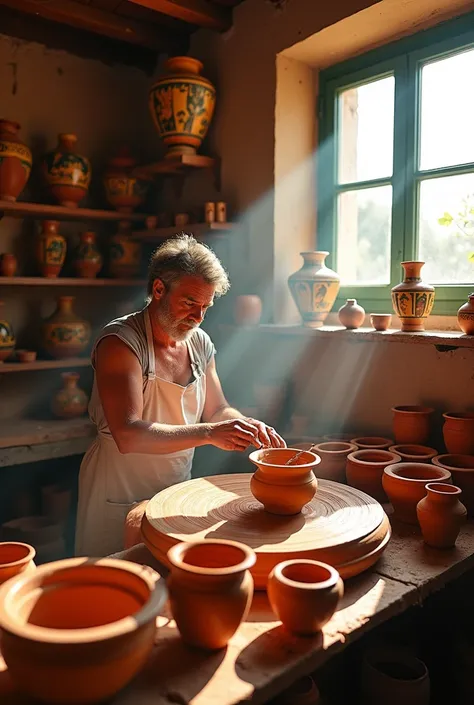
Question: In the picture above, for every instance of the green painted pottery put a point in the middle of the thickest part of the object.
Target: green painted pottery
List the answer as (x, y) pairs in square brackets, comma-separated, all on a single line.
[(15, 161), (51, 249), (65, 334), (125, 254), (88, 261), (7, 338), (314, 288), (67, 173), (123, 190)]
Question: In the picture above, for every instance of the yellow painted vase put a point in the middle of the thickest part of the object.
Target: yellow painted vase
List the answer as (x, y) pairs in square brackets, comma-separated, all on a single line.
[(67, 173), (314, 288), (51, 249), (413, 299), (7, 338), (65, 334), (125, 254), (182, 105), (15, 161)]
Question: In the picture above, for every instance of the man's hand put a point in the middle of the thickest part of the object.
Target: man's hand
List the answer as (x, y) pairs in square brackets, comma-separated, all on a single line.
[(267, 435), (234, 434)]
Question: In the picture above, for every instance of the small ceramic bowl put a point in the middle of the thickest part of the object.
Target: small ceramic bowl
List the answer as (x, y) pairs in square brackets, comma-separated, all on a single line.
[(381, 321), (26, 355), (405, 485), (413, 453), (15, 557)]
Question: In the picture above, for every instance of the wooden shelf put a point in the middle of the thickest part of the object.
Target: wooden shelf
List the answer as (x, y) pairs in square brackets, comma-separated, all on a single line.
[(20, 209), (179, 164), (44, 365), (68, 281), (199, 230)]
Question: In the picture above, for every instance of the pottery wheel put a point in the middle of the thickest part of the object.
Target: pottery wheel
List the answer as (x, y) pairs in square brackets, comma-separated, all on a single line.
[(341, 526)]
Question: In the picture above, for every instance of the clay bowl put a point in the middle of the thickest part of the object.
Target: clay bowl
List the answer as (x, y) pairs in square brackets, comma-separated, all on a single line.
[(340, 437), (374, 442), (26, 355), (461, 468), (364, 470), (381, 321), (413, 453), (78, 630), (333, 456), (15, 558), (405, 483)]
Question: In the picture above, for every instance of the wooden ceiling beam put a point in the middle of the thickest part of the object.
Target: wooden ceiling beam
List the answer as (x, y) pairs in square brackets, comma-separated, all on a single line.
[(198, 12)]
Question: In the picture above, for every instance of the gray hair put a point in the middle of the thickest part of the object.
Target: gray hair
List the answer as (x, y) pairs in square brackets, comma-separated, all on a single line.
[(181, 255)]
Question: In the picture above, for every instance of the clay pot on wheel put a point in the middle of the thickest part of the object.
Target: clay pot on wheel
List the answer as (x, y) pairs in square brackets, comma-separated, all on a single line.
[(15, 161), (458, 432), (15, 558), (441, 514)]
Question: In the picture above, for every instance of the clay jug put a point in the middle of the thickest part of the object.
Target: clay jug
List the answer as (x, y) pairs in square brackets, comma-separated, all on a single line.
[(411, 424), (466, 316), (314, 288), (70, 401), (64, 334), (441, 514), (125, 253), (15, 161), (413, 299), (182, 105), (123, 190), (392, 677), (15, 558), (7, 337), (88, 261), (351, 315), (67, 173), (211, 589), (51, 249), (248, 310), (458, 432), (8, 264)]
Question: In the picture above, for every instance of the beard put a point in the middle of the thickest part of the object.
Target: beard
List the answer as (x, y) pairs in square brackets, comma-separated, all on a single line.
[(176, 330)]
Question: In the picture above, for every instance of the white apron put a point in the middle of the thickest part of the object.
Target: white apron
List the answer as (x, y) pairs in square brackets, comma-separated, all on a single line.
[(110, 482)]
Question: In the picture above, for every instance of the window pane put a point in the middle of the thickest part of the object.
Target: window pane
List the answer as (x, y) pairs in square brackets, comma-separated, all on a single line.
[(445, 245), (447, 105), (363, 238), (365, 140)]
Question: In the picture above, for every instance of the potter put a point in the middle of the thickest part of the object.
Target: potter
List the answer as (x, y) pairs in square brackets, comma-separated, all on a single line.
[(157, 396)]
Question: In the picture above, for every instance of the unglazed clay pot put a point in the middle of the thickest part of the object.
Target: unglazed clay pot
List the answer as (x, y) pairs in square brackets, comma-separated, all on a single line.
[(381, 321), (15, 161), (405, 485), (15, 558), (364, 470), (304, 595), (7, 337), (441, 514), (458, 432), (411, 424), (413, 453), (64, 334), (125, 253), (392, 677), (67, 173), (281, 488), (88, 261), (210, 589), (342, 437), (461, 468), (51, 249), (71, 401), (413, 299), (124, 191), (351, 315), (466, 316), (248, 310), (372, 442), (333, 456), (89, 627), (314, 288), (8, 264)]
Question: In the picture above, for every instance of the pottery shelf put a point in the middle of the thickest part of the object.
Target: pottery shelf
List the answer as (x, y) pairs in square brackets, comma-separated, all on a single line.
[(69, 281), (179, 166), (72, 362), (199, 230), (19, 209)]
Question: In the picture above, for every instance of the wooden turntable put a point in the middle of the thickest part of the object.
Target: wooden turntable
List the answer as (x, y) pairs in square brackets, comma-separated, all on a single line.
[(341, 526)]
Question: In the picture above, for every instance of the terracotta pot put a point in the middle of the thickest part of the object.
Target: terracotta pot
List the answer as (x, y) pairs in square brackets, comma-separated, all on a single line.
[(71, 401), (56, 502), (123, 190), (283, 489), (67, 173), (314, 288), (88, 261), (466, 316), (89, 627), (372, 442), (411, 424), (15, 558), (392, 678), (333, 456), (51, 249), (64, 334), (405, 484), (340, 437), (412, 453), (248, 310), (458, 432), (381, 321), (304, 595), (441, 514), (7, 337), (211, 590), (413, 299), (461, 468), (304, 691), (125, 254), (351, 315), (364, 470), (26, 355), (15, 161), (182, 105), (8, 264)]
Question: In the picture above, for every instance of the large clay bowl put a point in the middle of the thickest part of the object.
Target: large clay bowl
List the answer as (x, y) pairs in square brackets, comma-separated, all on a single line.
[(405, 485), (413, 453), (15, 558), (364, 470), (78, 630), (461, 468)]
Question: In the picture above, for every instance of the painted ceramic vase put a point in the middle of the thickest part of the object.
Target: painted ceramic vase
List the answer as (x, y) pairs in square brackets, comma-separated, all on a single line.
[(466, 316), (365, 468), (413, 299), (211, 589), (88, 261), (7, 337), (8, 264), (67, 173), (351, 315), (411, 424), (404, 485), (314, 288), (182, 105), (247, 310), (15, 161), (15, 558), (65, 334), (441, 514), (124, 191), (71, 401), (461, 468), (51, 249), (125, 254), (304, 595), (458, 432)]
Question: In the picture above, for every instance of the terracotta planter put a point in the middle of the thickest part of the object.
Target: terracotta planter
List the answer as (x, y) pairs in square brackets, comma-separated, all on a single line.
[(248, 310), (51, 249), (182, 105), (441, 514), (411, 424), (67, 173), (89, 628), (15, 558), (351, 315), (372, 442), (211, 590), (123, 190), (15, 161), (364, 470), (64, 334), (413, 299), (8, 264), (381, 321), (88, 261), (461, 468), (412, 453), (392, 678), (283, 489), (304, 595), (71, 401), (333, 456), (405, 485), (7, 337), (314, 288), (466, 316), (458, 432), (125, 254)]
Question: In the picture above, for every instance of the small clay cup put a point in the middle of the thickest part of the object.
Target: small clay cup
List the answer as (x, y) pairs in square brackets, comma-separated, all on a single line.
[(372, 442), (461, 468), (15, 558), (405, 483), (26, 355), (413, 453), (381, 321), (304, 595)]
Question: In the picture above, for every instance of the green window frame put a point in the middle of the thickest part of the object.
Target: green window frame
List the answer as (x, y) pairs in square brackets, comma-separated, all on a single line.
[(403, 60)]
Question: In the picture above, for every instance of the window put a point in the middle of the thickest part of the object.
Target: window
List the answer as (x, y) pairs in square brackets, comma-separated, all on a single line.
[(396, 167)]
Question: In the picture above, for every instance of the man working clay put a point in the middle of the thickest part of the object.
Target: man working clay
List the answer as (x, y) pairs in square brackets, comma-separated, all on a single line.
[(157, 396)]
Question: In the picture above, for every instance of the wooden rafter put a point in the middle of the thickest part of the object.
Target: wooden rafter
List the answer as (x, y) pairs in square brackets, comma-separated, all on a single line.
[(198, 12)]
